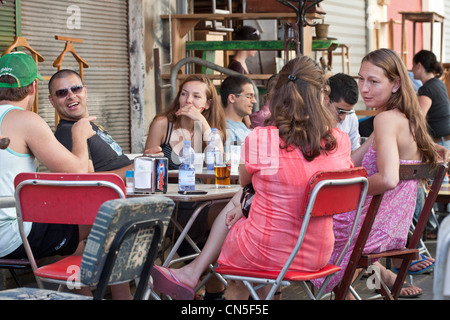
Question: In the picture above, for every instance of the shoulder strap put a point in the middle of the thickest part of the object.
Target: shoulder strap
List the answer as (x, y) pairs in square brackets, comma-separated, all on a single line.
[(168, 132), (7, 110)]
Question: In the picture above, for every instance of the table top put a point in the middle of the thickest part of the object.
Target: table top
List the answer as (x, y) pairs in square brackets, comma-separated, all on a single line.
[(445, 189), (422, 16), (213, 193), (444, 193)]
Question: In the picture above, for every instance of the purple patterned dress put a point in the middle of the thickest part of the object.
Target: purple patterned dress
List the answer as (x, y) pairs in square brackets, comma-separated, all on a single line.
[(391, 225)]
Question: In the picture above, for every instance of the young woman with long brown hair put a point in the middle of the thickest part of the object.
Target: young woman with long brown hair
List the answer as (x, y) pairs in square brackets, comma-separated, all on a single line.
[(194, 111)]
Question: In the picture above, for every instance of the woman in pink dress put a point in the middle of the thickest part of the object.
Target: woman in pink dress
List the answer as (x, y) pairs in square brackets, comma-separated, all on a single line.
[(400, 136), (279, 160)]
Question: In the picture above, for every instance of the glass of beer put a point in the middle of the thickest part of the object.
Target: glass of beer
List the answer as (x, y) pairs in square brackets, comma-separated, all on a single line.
[(222, 172)]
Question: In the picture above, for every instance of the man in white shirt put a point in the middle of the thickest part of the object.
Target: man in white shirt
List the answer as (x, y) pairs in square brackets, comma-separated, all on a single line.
[(238, 98), (341, 101)]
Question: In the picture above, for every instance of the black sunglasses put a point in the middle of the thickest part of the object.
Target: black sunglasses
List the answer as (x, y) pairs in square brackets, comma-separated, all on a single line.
[(62, 93)]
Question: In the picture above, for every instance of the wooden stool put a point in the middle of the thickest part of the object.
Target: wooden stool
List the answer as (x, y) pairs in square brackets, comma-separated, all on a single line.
[(21, 42), (69, 47), (345, 57), (421, 17)]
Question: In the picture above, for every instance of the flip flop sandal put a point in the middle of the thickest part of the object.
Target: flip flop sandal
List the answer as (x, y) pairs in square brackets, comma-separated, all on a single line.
[(170, 285), (421, 271), (407, 285), (407, 296)]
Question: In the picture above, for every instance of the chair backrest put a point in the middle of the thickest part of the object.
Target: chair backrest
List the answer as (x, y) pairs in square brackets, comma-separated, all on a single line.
[(425, 172), (124, 242), (65, 198), (332, 192), (407, 172), (329, 193)]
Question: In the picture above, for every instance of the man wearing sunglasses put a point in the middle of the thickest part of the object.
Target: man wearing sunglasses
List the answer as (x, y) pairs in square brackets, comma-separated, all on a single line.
[(341, 100), (31, 141), (68, 95)]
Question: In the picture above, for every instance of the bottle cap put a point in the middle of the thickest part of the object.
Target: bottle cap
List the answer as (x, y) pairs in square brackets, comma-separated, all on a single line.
[(129, 174), (187, 143)]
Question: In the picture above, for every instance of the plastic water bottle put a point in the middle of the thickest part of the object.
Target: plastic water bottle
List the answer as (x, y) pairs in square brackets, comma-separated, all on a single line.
[(235, 156), (129, 181), (212, 151), (186, 171)]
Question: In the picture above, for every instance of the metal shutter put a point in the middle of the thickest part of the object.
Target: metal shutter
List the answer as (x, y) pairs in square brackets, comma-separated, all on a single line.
[(103, 26), (7, 25), (348, 23), (446, 53)]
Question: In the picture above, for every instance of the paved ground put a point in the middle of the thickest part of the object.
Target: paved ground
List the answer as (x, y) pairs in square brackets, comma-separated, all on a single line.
[(295, 292), (424, 281)]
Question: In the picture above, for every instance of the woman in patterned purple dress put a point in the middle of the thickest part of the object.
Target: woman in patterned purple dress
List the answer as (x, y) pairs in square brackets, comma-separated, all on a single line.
[(400, 136)]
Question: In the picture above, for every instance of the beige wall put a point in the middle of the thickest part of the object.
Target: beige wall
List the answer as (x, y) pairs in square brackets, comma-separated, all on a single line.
[(147, 31)]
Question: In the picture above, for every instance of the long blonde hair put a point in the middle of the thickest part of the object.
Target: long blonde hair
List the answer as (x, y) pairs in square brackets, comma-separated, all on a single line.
[(405, 99)]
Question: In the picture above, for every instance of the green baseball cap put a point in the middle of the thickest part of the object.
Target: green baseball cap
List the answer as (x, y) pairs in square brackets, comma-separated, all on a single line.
[(21, 67)]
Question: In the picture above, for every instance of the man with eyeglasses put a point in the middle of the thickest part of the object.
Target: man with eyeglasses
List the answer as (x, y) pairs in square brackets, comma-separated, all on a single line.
[(68, 95), (341, 100), (238, 97)]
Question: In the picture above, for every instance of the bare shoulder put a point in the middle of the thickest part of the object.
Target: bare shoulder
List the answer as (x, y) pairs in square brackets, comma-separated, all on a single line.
[(389, 114), (26, 129), (389, 118), (19, 119), (160, 121), (159, 125), (157, 131)]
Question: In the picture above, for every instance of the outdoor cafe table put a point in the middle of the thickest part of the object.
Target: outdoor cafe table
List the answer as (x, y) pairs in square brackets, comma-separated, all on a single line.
[(444, 194), (214, 195)]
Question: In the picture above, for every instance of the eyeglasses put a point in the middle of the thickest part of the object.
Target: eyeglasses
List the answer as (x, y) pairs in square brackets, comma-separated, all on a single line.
[(340, 110), (250, 96), (343, 111), (62, 93)]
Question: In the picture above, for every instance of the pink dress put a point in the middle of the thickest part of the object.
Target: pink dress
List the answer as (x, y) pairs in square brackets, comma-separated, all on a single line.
[(265, 240), (390, 228)]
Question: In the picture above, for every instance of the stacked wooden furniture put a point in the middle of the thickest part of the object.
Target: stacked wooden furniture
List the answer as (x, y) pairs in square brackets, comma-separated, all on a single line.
[(182, 24), (421, 17)]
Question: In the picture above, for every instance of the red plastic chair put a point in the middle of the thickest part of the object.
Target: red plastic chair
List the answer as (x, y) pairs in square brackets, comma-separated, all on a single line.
[(61, 198), (328, 193)]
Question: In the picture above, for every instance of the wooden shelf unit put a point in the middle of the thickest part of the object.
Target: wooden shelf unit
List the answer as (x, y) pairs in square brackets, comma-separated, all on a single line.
[(181, 24)]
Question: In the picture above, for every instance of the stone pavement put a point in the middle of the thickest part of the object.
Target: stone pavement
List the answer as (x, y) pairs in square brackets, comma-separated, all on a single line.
[(423, 281), (295, 292)]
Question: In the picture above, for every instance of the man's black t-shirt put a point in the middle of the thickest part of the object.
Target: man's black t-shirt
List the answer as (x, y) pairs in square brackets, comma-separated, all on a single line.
[(105, 153)]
